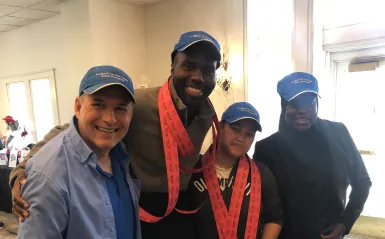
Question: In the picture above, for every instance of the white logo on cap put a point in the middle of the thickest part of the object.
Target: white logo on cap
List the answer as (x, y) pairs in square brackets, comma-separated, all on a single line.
[(248, 110), (201, 36), (301, 80), (111, 75)]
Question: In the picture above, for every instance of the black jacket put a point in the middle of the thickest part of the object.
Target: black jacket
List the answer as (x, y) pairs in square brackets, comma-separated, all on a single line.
[(343, 167)]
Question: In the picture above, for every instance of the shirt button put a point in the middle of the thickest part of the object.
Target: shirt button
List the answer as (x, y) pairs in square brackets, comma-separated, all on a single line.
[(99, 177), (112, 229), (107, 203)]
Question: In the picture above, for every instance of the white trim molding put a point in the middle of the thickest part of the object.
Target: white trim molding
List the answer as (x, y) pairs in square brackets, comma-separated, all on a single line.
[(354, 37), (303, 36)]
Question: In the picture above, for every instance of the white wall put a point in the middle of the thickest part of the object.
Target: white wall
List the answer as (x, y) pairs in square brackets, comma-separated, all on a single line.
[(358, 27), (61, 42), (269, 58), (118, 36), (167, 20)]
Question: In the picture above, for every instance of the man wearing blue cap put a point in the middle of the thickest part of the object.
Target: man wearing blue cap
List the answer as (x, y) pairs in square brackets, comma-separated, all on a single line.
[(183, 100), (79, 185), (239, 124), (195, 58), (314, 161)]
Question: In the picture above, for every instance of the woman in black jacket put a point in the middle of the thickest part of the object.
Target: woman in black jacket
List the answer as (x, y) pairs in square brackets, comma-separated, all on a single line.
[(313, 161)]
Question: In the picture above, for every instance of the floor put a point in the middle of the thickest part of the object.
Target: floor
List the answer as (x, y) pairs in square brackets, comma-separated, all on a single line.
[(10, 230), (375, 227), (358, 237)]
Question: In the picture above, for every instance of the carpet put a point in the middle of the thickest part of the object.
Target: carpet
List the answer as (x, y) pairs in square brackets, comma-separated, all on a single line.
[(11, 225)]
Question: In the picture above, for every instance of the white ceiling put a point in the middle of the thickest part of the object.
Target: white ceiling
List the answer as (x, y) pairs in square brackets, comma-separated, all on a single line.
[(18, 13)]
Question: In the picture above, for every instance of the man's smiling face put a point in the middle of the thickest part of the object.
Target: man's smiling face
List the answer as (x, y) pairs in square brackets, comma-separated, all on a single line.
[(193, 73), (104, 117)]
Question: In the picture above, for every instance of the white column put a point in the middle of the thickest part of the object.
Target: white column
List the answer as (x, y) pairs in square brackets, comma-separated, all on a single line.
[(303, 36)]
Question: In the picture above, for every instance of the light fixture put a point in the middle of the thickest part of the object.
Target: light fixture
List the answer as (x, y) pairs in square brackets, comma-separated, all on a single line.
[(224, 80)]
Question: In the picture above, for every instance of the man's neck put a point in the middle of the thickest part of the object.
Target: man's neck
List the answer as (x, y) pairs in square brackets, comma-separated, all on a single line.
[(102, 156), (104, 161), (223, 160)]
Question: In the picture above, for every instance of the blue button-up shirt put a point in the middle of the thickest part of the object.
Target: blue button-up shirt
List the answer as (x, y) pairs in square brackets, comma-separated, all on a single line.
[(120, 197), (68, 196)]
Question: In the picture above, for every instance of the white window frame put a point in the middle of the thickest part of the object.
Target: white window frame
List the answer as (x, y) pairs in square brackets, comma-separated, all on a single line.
[(347, 55), (26, 79), (371, 49)]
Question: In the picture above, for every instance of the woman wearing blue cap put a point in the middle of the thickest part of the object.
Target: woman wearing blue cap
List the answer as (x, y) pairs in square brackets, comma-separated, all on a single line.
[(313, 161), (238, 181)]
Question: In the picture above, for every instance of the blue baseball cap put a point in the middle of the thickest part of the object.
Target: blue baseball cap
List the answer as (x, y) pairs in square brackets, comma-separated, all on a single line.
[(239, 111), (99, 77), (190, 38), (295, 84)]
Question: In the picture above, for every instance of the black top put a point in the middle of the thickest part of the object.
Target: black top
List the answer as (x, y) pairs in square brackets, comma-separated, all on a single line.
[(313, 170), (204, 221), (174, 226)]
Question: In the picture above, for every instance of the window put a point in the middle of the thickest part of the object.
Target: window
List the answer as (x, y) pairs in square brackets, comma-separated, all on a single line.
[(32, 101), (42, 106), (359, 104)]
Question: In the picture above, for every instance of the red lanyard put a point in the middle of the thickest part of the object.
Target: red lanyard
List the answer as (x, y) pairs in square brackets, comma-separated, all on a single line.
[(174, 137), (215, 133), (227, 220)]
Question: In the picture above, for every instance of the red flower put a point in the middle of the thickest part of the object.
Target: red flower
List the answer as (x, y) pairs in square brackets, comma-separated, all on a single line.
[(9, 120), (24, 133)]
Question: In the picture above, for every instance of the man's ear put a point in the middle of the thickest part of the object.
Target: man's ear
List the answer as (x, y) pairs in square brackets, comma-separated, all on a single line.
[(172, 68), (174, 59), (78, 106)]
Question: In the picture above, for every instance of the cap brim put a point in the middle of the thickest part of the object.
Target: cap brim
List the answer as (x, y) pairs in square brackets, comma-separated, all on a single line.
[(92, 89), (233, 120), (218, 51), (305, 91)]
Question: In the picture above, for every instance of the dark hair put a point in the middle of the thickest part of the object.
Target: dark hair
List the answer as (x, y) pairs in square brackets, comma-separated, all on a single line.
[(282, 122), (30, 146), (173, 54)]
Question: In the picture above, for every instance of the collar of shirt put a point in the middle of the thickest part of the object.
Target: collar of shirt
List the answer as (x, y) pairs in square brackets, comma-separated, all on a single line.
[(205, 110), (82, 148)]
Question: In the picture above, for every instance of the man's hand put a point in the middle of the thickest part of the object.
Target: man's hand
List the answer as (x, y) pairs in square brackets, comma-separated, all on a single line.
[(338, 232), (19, 206)]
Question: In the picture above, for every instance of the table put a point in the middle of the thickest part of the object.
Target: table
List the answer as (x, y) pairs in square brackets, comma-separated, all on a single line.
[(5, 190)]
